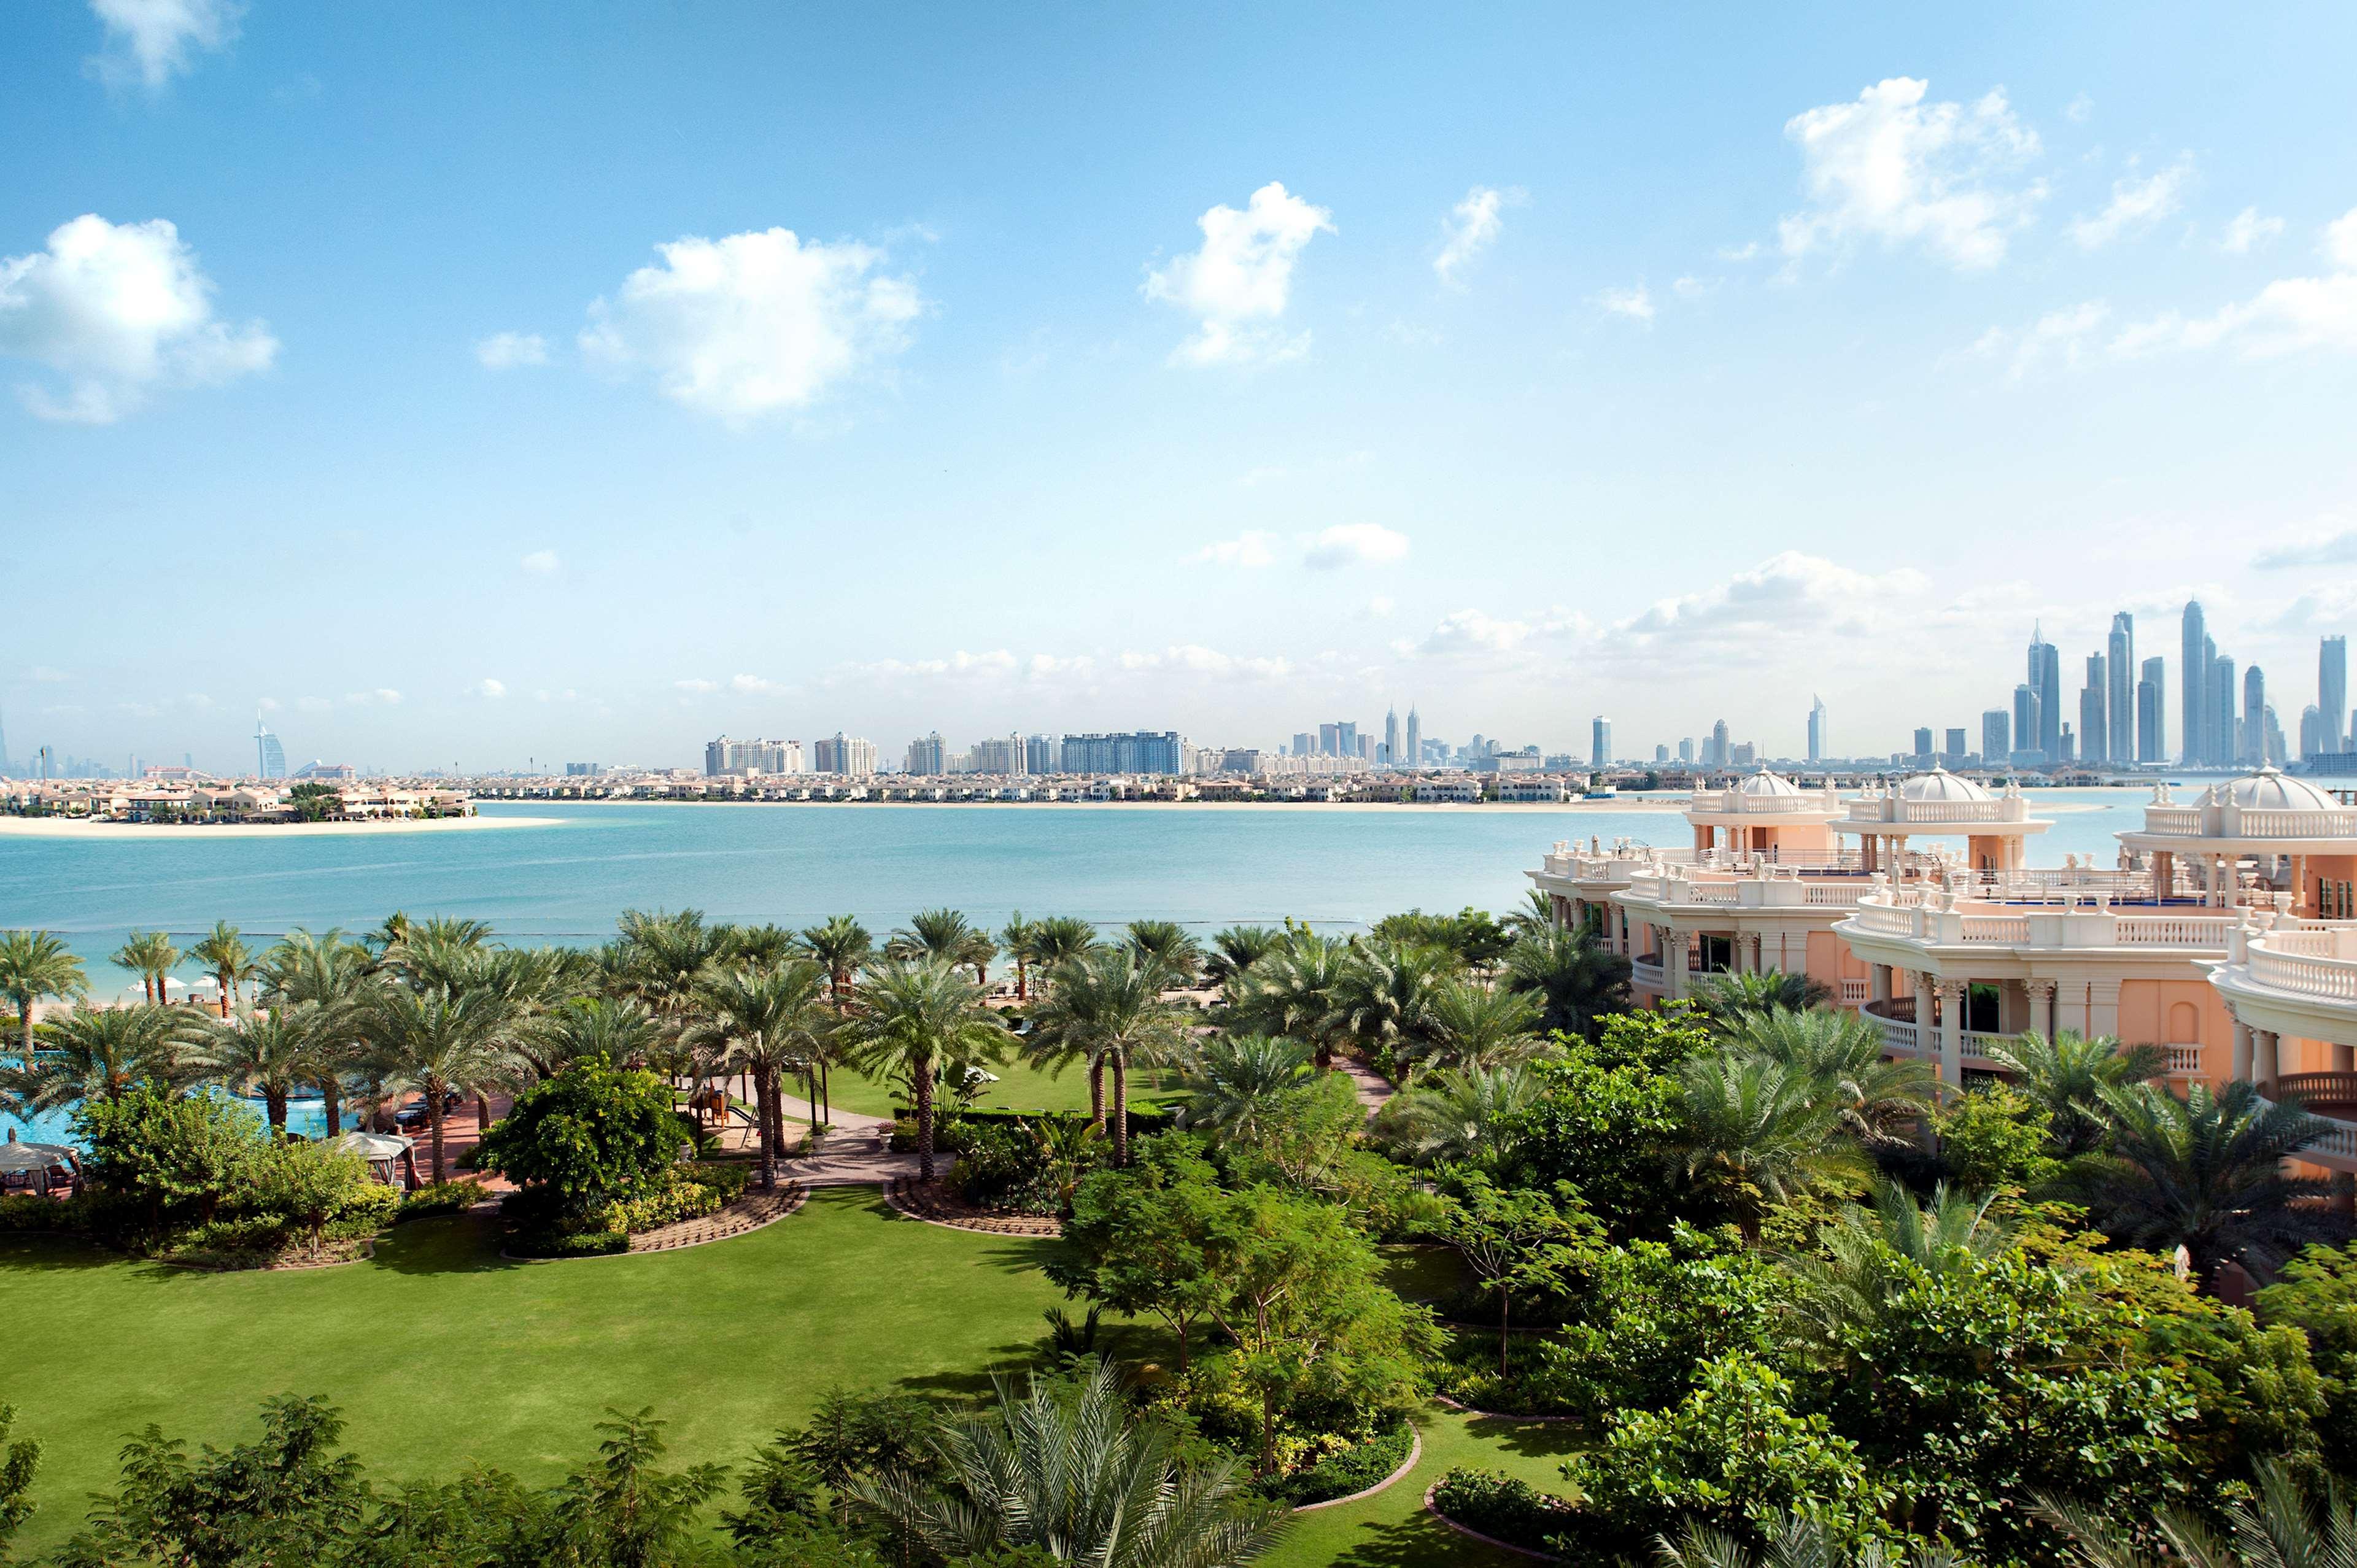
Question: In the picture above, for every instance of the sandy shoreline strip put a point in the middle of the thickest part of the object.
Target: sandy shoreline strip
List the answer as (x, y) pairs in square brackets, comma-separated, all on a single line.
[(1303, 808), (141, 832)]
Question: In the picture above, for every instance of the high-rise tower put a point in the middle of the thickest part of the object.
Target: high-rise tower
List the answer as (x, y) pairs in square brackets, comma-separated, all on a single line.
[(1817, 752), (2193, 682), (2254, 718), (2331, 692), (2046, 680), (2094, 711), (270, 757), (1414, 738), (2119, 663), (1392, 737)]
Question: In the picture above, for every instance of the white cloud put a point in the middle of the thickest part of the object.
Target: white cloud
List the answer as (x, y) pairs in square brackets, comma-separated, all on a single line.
[(1893, 168), (494, 690), (753, 684), (2288, 316), (1636, 304), (508, 350), (1695, 287), (1380, 606), (2135, 205), (2249, 231), (119, 310), (46, 674), (150, 42), (697, 687), (992, 665), (2058, 335), (1239, 283), (753, 323), (2079, 110), (541, 562), (1050, 666), (1472, 631), (2332, 549), (1743, 252), (1471, 227), (268, 705), (1251, 548), (1355, 545), (1196, 660)]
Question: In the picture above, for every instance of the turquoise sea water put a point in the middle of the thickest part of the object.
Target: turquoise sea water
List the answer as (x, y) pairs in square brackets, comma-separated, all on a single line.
[(1208, 867)]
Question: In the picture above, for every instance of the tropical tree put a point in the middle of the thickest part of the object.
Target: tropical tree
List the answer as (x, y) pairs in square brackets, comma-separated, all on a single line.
[(946, 936), (1843, 1052), (1058, 939), (101, 1053), (1073, 1475), (1516, 1239), (620, 1032), (1295, 989), (1236, 949), (267, 1054), (152, 957), (1387, 995), (1019, 938), (1167, 943), (660, 959), (763, 1021), (1755, 1131), (1577, 979), (914, 1016), (2282, 1527), (1469, 1116), (1471, 1024), (844, 946), (2205, 1173), (1868, 1253), (34, 967), (2067, 1075), (1726, 998), (223, 954), (1106, 1009), (439, 1044), (333, 974), (1234, 1082), (1533, 915)]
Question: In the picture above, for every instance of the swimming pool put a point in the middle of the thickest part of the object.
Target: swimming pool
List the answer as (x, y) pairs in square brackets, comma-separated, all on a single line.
[(306, 1117)]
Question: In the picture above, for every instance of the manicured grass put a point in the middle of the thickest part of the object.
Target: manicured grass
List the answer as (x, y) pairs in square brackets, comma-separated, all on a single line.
[(1019, 1088), (1390, 1530), (441, 1354)]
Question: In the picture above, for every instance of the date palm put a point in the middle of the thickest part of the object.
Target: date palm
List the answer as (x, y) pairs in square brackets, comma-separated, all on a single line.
[(269, 1053), (1868, 1252), (1106, 1009), (2067, 1075), (589, 1028), (2282, 1527), (1167, 943), (1460, 1116), (333, 974), (223, 954), (947, 936), (1725, 999), (1758, 1132), (1072, 1473), (36, 967), (99, 1053), (914, 1016), (1234, 1082), (1236, 949), (1878, 1100), (764, 1021), (2205, 1173), (1469, 1024), (662, 959), (1058, 939), (152, 957), (1296, 990), (1019, 938), (1576, 978), (1535, 914), (844, 946), (1387, 995), (438, 1043)]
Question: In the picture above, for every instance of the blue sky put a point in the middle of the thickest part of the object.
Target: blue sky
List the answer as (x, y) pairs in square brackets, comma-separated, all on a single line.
[(582, 381)]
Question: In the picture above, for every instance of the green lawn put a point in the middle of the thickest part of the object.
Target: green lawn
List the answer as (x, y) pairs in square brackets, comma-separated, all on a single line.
[(1019, 1088), (439, 1353)]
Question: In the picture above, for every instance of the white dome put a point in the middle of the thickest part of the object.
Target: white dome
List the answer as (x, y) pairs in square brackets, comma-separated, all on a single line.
[(2268, 790), (1942, 785), (1766, 783)]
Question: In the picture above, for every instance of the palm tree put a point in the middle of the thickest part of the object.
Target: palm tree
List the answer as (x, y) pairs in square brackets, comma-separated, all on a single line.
[(1723, 999), (765, 1022), (152, 957), (2205, 1174), (99, 1053), (1167, 943), (1576, 978), (945, 935), (1019, 938), (844, 946), (266, 1053), (2282, 1527), (1386, 995), (1073, 1475), (35, 966), (1877, 1100), (1532, 915), (915, 1017), (1460, 1116), (1799, 1540), (1236, 949), (334, 975), (1058, 939), (1233, 1081), (224, 955), (1470, 1023), (2067, 1075), (1106, 1009), (1864, 1254), (1295, 989), (590, 1029), (1756, 1132), (438, 1043), (661, 960)]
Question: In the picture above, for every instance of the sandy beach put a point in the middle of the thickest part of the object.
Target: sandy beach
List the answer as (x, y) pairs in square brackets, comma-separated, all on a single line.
[(1488, 808), (138, 833)]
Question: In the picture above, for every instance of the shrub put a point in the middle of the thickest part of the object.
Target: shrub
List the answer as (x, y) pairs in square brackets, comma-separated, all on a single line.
[(1354, 1469), (665, 1202), (591, 1135), (27, 1215), (727, 1178), (438, 1198), (175, 1158), (1505, 1508)]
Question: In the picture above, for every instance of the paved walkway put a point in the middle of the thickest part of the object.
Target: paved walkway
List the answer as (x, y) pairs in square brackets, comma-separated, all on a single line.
[(1375, 1089), (858, 1152)]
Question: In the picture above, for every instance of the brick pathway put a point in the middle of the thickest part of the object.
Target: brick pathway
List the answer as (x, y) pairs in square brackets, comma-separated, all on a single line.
[(934, 1202), (749, 1212)]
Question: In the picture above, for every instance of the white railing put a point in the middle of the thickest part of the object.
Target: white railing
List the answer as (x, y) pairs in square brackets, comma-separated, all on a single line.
[(2333, 978), (1834, 895), (1886, 919), (2184, 1061), (1644, 972), (2286, 824), (1727, 803), (2170, 930), (1995, 928), (1898, 1034), (2180, 819), (1937, 921), (1896, 811), (1854, 993)]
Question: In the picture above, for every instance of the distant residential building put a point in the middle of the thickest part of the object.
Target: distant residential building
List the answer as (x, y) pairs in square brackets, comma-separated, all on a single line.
[(846, 757), (2119, 691), (1449, 791), (2332, 692), (2046, 680), (1139, 751), (1532, 790), (1518, 759), (2218, 712), (924, 756), (1742, 754), (1304, 743), (1923, 744), (1717, 757), (1686, 751), (1414, 741), (342, 772), (1996, 737), (2094, 711), (2152, 711), (1661, 754), (2194, 678), (1005, 754), (1042, 753), (1600, 742), (584, 770)]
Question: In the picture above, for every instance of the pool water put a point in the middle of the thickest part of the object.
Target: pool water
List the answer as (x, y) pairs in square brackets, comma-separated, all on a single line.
[(307, 1117)]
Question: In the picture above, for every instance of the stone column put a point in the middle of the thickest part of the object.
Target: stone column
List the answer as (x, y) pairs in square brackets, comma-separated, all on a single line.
[(1674, 966), (1878, 982), (2344, 1058), (2104, 1007), (1924, 1016), (2071, 1008), (2265, 1063), (2240, 1067), (1951, 1033), (2042, 1005)]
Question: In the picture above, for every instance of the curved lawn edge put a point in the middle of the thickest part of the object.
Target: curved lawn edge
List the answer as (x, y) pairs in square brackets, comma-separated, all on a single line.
[(1502, 1414), (1028, 1227), (1414, 1457), (800, 1194), (1469, 1533)]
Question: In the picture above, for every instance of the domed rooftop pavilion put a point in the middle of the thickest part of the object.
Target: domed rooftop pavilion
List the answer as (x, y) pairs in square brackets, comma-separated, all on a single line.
[(1940, 804), (2265, 832), (1766, 814)]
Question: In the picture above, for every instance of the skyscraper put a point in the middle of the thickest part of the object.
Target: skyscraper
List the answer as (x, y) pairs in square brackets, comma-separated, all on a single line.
[(2152, 711), (1600, 742), (2254, 718), (1718, 744), (1414, 738), (1952, 752), (270, 757), (1685, 750), (1996, 737), (1392, 737), (2218, 712), (2193, 680), (1923, 742), (2094, 700), (926, 758), (2332, 690), (2119, 697), (2046, 680), (2025, 724), (1816, 728)]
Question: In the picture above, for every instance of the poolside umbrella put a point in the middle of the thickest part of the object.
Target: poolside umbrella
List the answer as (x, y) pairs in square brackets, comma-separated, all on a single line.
[(35, 1160)]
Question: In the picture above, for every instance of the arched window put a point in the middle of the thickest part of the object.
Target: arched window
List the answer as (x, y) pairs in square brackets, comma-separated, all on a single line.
[(2184, 1024)]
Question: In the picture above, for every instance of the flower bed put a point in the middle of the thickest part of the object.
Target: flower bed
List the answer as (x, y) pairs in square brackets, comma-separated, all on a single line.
[(1358, 1468), (1502, 1508)]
